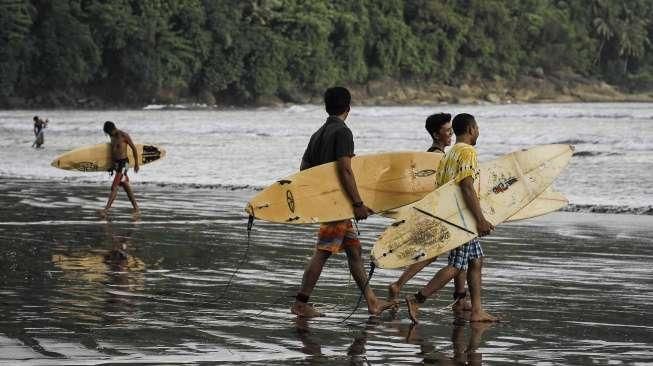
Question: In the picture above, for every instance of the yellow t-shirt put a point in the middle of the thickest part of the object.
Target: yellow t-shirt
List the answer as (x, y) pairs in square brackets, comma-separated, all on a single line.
[(457, 164)]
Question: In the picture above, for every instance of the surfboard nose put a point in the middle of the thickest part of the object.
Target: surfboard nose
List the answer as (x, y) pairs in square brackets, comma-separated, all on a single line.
[(55, 163)]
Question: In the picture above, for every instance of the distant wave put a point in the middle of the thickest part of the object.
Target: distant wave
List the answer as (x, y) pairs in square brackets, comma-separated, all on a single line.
[(226, 187), (567, 115), (577, 142), (594, 153), (157, 107), (613, 209)]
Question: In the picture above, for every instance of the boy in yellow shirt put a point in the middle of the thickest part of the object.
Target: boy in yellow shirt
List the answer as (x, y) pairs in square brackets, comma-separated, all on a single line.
[(460, 164)]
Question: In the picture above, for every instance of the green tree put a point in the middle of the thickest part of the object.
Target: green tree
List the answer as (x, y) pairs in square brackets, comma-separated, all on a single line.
[(64, 55), (15, 24)]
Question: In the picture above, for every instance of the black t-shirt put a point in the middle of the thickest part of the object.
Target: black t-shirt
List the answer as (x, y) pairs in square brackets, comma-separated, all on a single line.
[(332, 141)]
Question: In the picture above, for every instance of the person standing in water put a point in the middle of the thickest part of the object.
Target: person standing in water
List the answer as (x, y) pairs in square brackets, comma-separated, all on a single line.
[(119, 142), (438, 126), (39, 126), (334, 142)]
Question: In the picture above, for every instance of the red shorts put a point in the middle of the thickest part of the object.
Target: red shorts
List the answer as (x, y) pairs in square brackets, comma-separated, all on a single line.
[(120, 168), (336, 236)]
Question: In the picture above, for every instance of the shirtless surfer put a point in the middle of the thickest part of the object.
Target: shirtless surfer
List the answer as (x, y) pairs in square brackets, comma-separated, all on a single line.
[(119, 142)]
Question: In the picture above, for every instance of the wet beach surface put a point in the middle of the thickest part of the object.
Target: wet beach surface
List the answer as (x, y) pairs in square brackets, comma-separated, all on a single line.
[(80, 288)]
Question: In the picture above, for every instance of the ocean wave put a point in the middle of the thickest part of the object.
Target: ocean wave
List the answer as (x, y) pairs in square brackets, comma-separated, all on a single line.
[(612, 209), (594, 153), (577, 142), (226, 187)]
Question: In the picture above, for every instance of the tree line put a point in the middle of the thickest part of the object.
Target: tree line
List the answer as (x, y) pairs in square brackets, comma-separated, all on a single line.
[(236, 51)]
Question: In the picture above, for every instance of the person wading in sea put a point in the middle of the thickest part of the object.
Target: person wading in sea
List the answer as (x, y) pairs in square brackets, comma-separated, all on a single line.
[(39, 126), (119, 142), (334, 142)]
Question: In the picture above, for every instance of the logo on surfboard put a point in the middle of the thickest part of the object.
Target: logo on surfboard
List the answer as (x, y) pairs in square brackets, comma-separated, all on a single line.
[(424, 173), (504, 184), (291, 201), (86, 166)]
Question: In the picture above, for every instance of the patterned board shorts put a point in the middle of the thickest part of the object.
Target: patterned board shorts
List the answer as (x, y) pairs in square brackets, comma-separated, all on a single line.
[(120, 168), (336, 236), (461, 256)]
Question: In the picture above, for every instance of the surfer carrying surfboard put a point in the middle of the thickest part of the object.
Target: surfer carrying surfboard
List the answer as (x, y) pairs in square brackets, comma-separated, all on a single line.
[(334, 142), (119, 141), (439, 128), (460, 163), (39, 126)]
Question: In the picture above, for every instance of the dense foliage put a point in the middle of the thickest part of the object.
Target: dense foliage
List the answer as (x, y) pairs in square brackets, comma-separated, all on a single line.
[(235, 51)]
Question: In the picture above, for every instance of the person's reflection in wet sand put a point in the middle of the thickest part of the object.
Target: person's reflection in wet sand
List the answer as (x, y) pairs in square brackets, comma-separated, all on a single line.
[(464, 350), (356, 350), (309, 345), (119, 264)]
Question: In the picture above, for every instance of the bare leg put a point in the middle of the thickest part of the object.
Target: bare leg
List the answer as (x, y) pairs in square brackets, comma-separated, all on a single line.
[(459, 282), (438, 281), (130, 194), (410, 272), (311, 275), (374, 305), (112, 197), (474, 283), (114, 190)]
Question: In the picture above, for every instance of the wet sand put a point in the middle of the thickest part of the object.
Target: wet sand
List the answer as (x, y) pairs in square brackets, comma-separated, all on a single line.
[(79, 288)]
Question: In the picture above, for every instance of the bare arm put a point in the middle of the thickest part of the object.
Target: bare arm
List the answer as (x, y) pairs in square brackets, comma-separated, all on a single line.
[(483, 226), (346, 175), (133, 147)]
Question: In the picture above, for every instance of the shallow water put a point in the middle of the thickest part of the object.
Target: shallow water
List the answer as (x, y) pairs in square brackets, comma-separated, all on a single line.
[(573, 288), (253, 148)]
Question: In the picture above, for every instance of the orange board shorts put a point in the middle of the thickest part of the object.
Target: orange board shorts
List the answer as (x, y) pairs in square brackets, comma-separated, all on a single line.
[(337, 236)]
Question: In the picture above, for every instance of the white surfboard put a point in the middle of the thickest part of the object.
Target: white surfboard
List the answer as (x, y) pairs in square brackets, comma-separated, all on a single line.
[(441, 221)]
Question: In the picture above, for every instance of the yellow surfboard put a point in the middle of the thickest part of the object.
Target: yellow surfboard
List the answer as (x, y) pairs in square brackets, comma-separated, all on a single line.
[(385, 181), (549, 201), (97, 158), (441, 221)]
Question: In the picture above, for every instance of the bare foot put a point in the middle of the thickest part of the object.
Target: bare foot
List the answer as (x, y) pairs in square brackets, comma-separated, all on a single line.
[(413, 308), (381, 306), (482, 316), (304, 310), (393, 292)]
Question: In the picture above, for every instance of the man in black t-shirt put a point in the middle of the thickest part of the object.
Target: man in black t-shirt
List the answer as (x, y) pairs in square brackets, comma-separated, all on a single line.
[(334, 142)]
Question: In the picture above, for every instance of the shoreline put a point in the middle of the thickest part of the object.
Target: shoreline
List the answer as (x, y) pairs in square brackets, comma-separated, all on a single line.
[(389, 92), (245, 191)]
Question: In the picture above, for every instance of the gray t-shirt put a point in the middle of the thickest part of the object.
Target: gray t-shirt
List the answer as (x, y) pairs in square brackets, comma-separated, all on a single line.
[(332, 141)]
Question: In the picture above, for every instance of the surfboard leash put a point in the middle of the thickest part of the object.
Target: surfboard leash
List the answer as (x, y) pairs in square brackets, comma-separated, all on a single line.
[(360, 298), (250, 223)]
